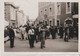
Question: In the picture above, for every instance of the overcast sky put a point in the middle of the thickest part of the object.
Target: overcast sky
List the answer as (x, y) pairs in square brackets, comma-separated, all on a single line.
[(29, 7)]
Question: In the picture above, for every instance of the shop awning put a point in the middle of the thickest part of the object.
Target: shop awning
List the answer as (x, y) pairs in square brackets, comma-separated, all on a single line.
[(75, 16), (69, 20)]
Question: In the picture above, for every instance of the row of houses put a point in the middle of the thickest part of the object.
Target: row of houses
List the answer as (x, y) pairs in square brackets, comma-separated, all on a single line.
[(56, 13), (13, 16)]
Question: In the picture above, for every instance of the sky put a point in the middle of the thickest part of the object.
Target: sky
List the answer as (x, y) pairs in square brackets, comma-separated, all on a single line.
[(29, 7)]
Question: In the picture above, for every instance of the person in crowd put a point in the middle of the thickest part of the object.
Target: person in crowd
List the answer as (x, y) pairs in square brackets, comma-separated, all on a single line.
[(39, 32), (42, 36), (22, 32), (6, 34), (36, 32), (31, 37), (34, 27), (18, 33), (25, 34), (61, 31), (46, 35), (27, 29), (56, 31), (11, 36), (48, 32), (52, 30), (71, 32), (66, 34)]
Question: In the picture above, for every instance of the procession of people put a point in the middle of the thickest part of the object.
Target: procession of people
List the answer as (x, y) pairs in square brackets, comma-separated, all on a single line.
[(39, 33)]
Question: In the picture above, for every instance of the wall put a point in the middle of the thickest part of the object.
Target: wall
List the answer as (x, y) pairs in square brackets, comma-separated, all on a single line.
[(47, 8), (63, 15), (7, 13)]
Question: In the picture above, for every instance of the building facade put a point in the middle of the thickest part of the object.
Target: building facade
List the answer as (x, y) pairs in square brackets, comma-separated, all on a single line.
[(10, 14), (65, 11), (57, 13), (47, 13), (14, 16), (21, 18), (75, 14)]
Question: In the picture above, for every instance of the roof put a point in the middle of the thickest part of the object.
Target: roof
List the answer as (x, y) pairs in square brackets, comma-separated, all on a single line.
[(11, 3)]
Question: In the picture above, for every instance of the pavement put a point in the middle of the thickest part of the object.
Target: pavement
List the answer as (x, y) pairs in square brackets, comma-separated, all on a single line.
[(52, 45)]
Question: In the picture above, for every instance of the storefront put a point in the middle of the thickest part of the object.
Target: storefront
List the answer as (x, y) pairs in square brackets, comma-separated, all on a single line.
[(68, 22)]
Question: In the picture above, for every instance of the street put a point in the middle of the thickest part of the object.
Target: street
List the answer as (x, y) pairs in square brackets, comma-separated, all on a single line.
[(52, 45)]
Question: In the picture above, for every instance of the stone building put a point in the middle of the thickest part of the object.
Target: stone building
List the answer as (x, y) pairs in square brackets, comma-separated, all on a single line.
[(10, 13), (14, 16), (75, 13), (47, 13), (21, 18), (57, 13), (65, 11)]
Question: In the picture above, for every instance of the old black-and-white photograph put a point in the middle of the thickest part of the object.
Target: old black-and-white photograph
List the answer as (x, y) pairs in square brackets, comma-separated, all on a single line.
[(40, 26)]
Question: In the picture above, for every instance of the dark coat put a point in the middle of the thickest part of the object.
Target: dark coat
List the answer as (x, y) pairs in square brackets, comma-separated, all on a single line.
[(61, 30), (71, 30), (6, 33), (36, 31), (11, 33), (52, 30), (27, 28)]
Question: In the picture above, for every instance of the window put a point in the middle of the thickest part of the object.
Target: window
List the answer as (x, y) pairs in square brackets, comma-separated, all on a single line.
[(68, 7), (58, 22), (45, 11), (75, 8), (40, 13), (58, 8), (50, 9)]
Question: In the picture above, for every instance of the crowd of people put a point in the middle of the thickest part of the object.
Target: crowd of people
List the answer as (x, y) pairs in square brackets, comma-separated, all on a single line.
[(40, 33)]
